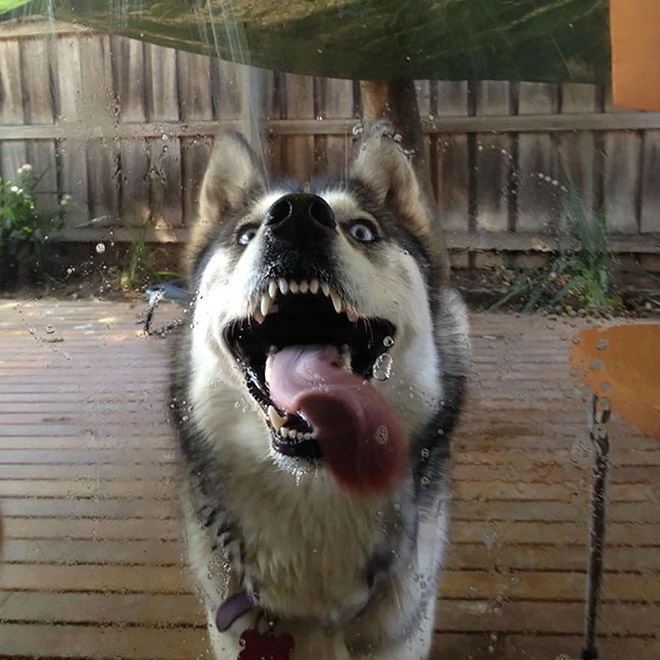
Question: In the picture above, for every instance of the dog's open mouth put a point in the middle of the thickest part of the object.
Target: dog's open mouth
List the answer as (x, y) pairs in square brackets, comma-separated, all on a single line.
[(308, 359)]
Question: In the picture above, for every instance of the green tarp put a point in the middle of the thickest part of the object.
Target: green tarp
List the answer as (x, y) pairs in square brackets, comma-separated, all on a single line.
[(536, 40)]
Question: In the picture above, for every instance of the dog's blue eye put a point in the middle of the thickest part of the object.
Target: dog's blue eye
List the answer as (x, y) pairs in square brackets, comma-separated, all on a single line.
[(246, 236), (361, 232)]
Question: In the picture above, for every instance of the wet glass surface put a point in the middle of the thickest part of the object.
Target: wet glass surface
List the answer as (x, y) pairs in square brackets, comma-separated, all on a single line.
[(546, 192)]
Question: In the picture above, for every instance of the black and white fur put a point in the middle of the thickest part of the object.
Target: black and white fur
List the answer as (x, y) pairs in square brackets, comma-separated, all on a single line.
[(348, 577)]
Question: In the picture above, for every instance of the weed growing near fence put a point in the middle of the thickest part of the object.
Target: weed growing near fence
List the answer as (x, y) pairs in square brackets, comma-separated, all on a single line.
[(139, 268), (580, 275)]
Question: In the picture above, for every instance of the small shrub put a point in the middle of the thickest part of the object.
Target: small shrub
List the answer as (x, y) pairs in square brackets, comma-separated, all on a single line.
[(23, 226)]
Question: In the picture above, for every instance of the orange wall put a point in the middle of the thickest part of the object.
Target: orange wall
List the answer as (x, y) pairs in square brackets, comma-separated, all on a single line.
[(635, 27)]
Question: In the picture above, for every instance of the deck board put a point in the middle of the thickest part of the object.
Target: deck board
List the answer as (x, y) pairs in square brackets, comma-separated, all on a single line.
[(92, 541)]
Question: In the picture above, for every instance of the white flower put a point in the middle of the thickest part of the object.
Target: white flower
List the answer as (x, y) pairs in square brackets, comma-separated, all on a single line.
[(67, 198), (14, 189), (27, 167), (64, 201)]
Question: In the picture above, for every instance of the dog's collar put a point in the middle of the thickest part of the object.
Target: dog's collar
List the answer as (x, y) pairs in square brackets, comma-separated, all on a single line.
[(233, 608), (241, 603)]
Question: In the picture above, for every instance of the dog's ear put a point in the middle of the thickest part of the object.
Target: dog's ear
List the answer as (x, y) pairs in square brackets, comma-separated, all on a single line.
[(382, 166), (232, 175)]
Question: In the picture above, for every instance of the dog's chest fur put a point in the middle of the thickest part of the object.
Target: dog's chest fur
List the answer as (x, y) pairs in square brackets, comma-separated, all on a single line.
[(306, 547)]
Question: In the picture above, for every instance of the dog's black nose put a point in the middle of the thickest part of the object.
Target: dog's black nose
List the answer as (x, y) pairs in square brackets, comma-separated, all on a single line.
[(300, 216)]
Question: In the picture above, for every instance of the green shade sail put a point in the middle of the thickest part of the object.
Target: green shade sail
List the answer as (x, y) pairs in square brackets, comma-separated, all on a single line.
[(535, 40)]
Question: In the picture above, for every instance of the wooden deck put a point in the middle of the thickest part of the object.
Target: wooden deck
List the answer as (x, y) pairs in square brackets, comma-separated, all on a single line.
[(91, 555)]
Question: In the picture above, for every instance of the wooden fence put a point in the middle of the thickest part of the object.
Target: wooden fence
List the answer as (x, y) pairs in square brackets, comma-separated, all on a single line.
[(126, 127)]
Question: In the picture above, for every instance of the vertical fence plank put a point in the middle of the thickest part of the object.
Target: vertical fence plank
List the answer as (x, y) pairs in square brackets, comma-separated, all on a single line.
[(338, 104), (538, 183), (36, 58), (452, 159), (425, 90), (275, 109), (194, 81), (299, 154), (13, 153), (577, 150), (226, 81), (72, 154), (98, 107), (128, 60), (650, 201), (164, 151), (621, 177), (493, 159)]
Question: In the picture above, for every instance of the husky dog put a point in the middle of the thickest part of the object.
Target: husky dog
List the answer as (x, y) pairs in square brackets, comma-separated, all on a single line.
[(314, 394)]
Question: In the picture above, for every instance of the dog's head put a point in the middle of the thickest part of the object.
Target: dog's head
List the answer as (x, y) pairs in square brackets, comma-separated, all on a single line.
[(315, 304)]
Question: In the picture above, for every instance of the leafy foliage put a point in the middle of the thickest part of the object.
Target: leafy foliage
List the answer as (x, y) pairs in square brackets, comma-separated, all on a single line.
[(24, 226), (581, 272)]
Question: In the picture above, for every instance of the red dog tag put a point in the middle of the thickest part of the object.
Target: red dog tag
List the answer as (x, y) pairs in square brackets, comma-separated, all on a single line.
[(265, 646)]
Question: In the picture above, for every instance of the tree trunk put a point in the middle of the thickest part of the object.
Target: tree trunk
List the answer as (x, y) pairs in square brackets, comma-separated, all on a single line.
[(396, 101)]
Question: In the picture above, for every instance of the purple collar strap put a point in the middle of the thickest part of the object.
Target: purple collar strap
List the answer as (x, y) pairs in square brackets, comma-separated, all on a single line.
[(233, 608)]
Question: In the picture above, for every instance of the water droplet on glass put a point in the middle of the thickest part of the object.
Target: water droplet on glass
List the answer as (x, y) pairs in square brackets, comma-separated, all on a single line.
[(596, 364), (602, 344), (425, 453), (382, 368), (100, 248), (50, 329), (397, 137), (382, 434)]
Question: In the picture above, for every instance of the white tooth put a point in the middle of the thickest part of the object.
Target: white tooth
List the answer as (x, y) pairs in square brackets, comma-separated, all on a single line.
[(293, 286), (304, 286), (345, 358), (307, 436), (284, 432), (272, 288), (325, 287), (314, 286), (283, 285), (259, 317), (275, 418), (265, 304), (352, 314), (313, 436), (273, 349), (268, 366), (336, 301), (293, 434)]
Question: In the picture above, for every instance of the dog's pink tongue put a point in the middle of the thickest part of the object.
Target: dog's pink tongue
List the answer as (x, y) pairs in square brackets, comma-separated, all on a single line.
[(358, 433)]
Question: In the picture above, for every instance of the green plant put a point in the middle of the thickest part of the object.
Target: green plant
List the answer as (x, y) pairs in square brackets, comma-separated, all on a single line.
[(581, 272), (24, 226), (133, 273), (140, 266)]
